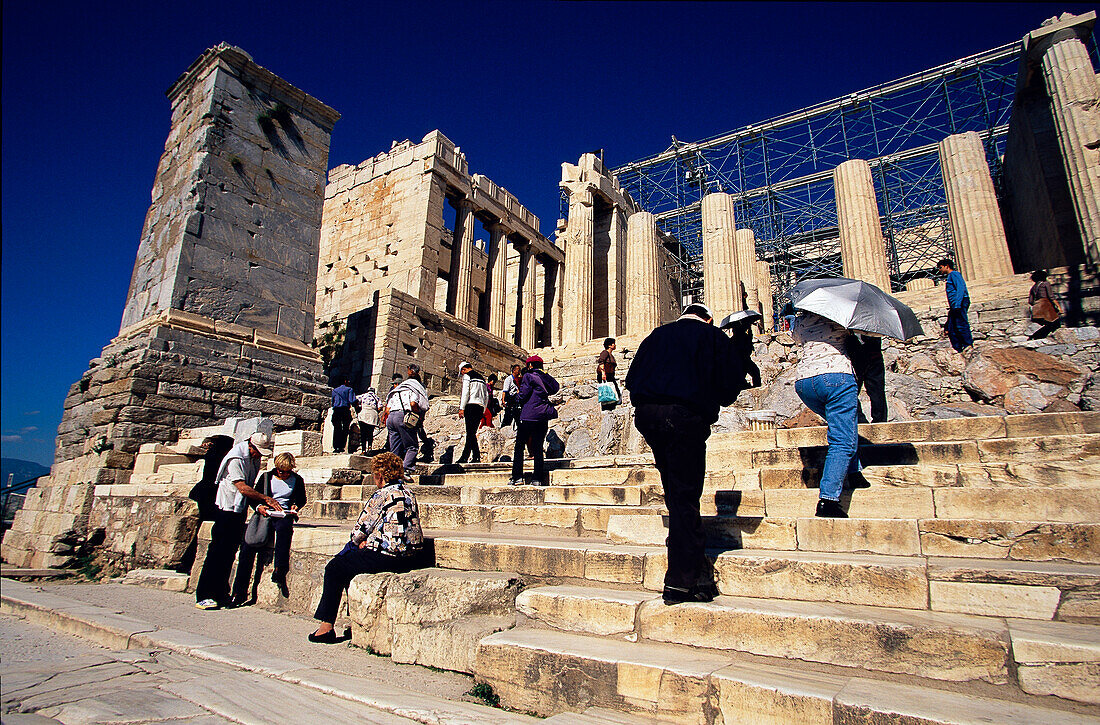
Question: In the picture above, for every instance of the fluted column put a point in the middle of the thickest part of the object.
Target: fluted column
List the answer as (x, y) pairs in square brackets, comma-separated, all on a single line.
[(764, 288), (498, 278), (643, 311), (981, 248), (558, 311), (862, 249), (1075, 94), (721, 281), (617, 295), (527, 301), (462, 252), (746, 267), (919, 283), (579, 232)]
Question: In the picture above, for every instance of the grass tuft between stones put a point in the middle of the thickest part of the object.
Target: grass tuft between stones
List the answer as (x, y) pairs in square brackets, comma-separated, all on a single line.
[(484, 692)]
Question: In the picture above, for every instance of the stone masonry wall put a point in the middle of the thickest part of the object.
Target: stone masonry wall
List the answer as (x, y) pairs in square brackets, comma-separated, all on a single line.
[(232, 230)]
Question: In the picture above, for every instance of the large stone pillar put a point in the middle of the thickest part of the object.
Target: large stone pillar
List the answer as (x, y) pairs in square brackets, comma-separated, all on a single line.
[(579, 232), (746, 267), (1075, 102), (764, 288), (557, 336), (497, 275), (643, 311), (721, 281), (861, 245), (617, 290), (462, 252), (981, 248), (527, 301)]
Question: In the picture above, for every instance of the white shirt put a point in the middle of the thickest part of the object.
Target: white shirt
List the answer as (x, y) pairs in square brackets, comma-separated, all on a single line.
[(238, 465), (281, 490), (822, 346), (401, 397), (474, 392)]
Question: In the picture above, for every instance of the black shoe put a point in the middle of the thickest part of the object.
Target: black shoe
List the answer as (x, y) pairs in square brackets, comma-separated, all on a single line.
[(236, 602), (857, 480), (280, 581), (328, 637), (676, 595), (827, 509)]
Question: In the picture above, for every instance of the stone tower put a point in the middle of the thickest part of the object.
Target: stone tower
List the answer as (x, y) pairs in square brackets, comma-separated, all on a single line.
[(219, 315)]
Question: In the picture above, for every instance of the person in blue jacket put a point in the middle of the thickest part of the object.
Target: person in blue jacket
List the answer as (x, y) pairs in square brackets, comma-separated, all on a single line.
[(958, 302)]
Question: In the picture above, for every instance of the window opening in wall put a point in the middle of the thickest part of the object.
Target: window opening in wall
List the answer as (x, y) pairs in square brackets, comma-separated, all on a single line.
[(410, 350), (481, 235)]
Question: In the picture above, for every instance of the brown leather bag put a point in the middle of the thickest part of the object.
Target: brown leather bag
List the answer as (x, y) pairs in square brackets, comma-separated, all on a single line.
[(1045, 310)]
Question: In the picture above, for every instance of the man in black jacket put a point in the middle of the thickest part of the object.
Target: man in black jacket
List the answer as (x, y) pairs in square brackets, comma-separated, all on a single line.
[(682, 374)]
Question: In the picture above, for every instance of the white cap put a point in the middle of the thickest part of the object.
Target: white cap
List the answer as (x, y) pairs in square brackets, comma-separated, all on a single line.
[(261, 440), (464, 364), (710, 315)]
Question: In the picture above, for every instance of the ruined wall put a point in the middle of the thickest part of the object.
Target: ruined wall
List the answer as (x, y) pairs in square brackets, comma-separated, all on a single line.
[(397, 329), (382, 227), (232, 230)]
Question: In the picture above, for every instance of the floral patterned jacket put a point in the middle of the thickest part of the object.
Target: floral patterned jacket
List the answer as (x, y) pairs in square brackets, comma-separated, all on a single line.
[(390, 522)]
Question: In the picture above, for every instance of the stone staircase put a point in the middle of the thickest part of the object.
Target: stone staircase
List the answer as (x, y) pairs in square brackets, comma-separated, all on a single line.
[(966, 580)]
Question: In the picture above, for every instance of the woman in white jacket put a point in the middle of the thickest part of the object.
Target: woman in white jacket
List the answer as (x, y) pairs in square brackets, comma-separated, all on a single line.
[(408, 397), (475, 396)]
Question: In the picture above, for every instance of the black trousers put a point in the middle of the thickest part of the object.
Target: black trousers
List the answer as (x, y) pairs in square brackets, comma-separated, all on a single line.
[(343, 567), (678, 437), (341, 424), (471, 415), (225, 539), (873, 377), (531, 434), (284, 532)]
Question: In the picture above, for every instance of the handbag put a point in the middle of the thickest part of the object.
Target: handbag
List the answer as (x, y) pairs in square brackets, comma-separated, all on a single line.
[(607, 393), (259, 530), (1046, 310)]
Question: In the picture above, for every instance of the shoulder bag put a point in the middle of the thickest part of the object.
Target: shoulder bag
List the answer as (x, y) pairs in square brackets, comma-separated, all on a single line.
[(259, 531)]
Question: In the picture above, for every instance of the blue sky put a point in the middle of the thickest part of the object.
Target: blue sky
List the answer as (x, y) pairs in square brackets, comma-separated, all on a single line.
[(520, 86)]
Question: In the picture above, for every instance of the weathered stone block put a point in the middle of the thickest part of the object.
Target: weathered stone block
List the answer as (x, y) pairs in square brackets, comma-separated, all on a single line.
[(996, 600)]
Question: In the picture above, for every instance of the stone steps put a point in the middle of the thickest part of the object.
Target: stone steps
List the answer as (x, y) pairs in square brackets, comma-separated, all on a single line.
[(967, 538), (1032, 590), (545, 671)]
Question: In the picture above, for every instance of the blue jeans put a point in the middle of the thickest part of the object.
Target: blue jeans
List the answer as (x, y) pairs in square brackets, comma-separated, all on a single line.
[(835, 397), (958, 329)]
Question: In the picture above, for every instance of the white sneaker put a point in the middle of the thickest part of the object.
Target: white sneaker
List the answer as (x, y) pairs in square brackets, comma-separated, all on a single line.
[(206, 604)]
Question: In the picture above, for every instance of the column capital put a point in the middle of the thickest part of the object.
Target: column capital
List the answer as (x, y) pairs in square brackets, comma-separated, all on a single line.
[(1055, 30)]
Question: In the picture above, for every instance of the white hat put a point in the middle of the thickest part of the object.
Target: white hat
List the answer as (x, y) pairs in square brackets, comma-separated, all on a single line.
[(261, 441), (710, 315), (464, 364)]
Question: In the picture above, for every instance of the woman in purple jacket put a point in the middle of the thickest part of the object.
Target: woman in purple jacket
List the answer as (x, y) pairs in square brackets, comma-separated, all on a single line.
[(535, 415)]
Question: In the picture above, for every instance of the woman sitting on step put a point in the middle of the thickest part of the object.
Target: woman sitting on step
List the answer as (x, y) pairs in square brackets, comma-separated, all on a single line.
[(387, 537)]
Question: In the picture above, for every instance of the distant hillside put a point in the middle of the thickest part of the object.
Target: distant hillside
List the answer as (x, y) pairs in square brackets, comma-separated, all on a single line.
[(22, 470)]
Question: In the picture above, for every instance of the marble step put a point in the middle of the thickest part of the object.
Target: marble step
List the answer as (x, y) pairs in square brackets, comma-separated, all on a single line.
[(967, 538), (547, 672), (943, 646), (880, 638), (1033, 590)]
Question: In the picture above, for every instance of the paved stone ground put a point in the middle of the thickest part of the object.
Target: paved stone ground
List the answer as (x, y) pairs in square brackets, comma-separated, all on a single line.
[(59, 678), (282, 635), (241, 666)]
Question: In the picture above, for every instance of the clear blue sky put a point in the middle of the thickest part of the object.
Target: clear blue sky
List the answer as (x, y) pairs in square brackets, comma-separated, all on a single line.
[(520, 86)]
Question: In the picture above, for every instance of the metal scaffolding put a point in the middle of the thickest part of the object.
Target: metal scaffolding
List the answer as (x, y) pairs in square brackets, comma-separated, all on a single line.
[(780, 171)]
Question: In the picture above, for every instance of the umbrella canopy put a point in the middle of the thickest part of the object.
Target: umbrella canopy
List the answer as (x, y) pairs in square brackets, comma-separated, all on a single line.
[(744, 316), (856, 305)]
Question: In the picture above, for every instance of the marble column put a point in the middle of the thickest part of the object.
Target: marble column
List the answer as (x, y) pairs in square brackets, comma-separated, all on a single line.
[(1075, 103), (746, 267), (643, 311), (721, 281), (981, 248), (764, 289), (579, 232), (862, 248), (462, 252), (527, 302), (558, 311), (617, 291), (497, 275)]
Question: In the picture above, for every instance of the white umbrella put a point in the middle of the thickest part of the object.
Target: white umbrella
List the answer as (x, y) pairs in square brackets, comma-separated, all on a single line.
[(856, 305), (747, 316)]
